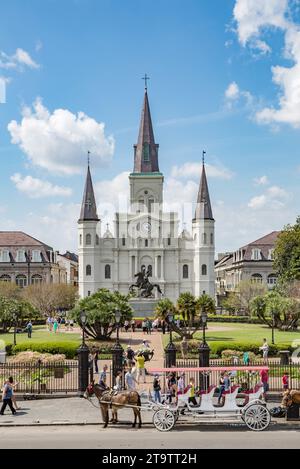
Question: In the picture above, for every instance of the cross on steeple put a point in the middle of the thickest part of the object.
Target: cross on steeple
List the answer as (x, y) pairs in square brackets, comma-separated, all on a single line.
[(88, 158), (88, 203), (146, 78), (203, 156)]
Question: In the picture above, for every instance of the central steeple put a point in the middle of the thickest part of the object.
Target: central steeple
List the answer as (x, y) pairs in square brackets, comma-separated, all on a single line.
[(146, 150)]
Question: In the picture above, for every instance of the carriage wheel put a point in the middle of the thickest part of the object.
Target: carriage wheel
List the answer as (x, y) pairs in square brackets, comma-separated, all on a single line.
[(257, 417), (164, 420)]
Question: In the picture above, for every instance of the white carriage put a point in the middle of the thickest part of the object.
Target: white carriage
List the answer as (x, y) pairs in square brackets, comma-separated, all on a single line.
[(254, 413)]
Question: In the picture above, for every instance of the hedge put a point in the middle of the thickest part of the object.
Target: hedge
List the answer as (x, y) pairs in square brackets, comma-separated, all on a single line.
[(240, 319), (69, 349)]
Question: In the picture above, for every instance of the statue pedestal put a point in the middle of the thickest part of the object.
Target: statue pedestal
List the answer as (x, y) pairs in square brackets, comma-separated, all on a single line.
[(143, 307)]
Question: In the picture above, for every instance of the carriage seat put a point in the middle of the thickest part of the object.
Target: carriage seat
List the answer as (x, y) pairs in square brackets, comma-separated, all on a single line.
[(186, 389), (206, 391), (253, 390), (231, 390)]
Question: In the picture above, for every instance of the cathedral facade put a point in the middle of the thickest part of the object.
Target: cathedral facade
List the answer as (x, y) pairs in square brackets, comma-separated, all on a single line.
[(147, 237)]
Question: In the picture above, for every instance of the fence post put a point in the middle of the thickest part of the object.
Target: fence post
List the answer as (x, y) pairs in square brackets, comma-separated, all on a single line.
[(83, 369), (170, 355), (117, 361), (204, 352)]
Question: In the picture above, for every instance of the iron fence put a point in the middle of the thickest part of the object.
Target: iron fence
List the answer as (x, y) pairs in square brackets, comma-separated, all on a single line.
[(42, 378)]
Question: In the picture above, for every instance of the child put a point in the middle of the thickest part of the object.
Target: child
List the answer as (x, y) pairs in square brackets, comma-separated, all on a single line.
[(156, 389), (285, 381)]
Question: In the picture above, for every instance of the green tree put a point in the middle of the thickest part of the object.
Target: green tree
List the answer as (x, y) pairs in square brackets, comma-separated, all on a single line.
[(163, 308), (247, 290), (10, 306), (100, 308), (287, 253), (205, 304), (46, 298)]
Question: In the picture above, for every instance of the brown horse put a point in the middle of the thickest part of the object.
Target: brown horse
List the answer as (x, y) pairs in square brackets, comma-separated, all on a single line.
[(109, 400), (289, 398)]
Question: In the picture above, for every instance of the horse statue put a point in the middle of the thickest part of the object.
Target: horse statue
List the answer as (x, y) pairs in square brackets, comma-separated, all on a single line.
[(108, 399), (289, 398), (144, 285)]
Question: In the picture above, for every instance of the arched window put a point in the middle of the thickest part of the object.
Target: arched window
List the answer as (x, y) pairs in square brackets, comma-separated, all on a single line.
[(88, 270), (185, 271), (36, 279), (204, 238), (5, 278), (211, 238), (88, 239), (123, 240), (21, 280), (204, 269), (150, 270), (107, 271), (80, 240), (272, 279), (146, 243), (256, 278), (97, 240)]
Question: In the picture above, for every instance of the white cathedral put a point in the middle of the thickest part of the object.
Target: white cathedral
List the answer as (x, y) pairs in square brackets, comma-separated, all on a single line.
[(146, 236)]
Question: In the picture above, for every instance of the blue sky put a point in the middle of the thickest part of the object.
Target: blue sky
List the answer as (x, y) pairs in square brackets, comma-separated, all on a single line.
[(224, 78)]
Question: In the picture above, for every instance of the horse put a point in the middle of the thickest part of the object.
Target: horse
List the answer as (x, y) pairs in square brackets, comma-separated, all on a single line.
[(289, 398), (108, 399), (147, 290)]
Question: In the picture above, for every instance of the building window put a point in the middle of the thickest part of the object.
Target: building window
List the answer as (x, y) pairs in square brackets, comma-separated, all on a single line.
[(211, 238), (146, 243), (21, 256), (169, 241), (204, 269), (146, 152), (89, 293), (36, 256), (256, 255), (150, 270), (107, 271), (5, 278), (150, 205), (88, 239), (272, 280), (256, 278), (4, 256), (88, 270), (97, 240), (271, 255), (159, 266), (36, 279), (21, 281), (185, 271), (204, 238), (123, 241), (80, 240)]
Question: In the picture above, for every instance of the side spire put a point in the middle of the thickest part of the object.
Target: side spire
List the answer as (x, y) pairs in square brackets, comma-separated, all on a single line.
[(88, 207), (203, 207), (146, 150)]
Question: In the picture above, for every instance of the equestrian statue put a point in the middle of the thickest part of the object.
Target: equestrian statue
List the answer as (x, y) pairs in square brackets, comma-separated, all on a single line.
[(143, 284)]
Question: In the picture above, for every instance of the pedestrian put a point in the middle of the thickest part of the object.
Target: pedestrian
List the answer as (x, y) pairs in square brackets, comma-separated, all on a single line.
[(145, 345), (264, 376), (29, 329), (181, 384), (55, 326), (156, 389), (132, 325), (246, 358), (126, 325), (7, 398), (130, 381), (118, 385), (48, 322), (13, 398), (285, 381), (103, 377), (95, 359), (71, 323), (192, 398), (184, 348), (265, 351), (171, 386), (149, 326), (163, 327), (129, 356), (178, 322), (140, 364), (221, 388), (144, 326)]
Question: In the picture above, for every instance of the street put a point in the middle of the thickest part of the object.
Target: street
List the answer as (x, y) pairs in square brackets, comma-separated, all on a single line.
[(188, 437)]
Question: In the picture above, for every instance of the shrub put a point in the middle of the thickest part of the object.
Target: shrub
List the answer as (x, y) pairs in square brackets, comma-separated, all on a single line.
[(69, 349), (35, 357)]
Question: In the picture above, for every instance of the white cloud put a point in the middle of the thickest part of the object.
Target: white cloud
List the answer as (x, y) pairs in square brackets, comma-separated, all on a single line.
[(36, 188), (261, 181), (59, 141), (274, 197), (20, 59), (193, 170), (253, 18), (234, 95), (233, 91)]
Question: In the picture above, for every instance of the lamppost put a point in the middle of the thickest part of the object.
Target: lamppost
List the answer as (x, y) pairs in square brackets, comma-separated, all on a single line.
[(204, 352), (83, 359), (273, 327), (117, 350), (170, 350), (15, 317)]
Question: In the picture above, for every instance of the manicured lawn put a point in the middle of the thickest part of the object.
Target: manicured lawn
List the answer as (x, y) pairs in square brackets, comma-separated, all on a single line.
[(41, 335), (250, 333)]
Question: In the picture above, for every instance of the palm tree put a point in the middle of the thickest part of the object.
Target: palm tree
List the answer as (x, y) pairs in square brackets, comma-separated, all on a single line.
[(163, 308)]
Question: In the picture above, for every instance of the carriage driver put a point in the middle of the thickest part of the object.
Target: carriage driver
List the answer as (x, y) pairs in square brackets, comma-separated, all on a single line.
[(102, 379)]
